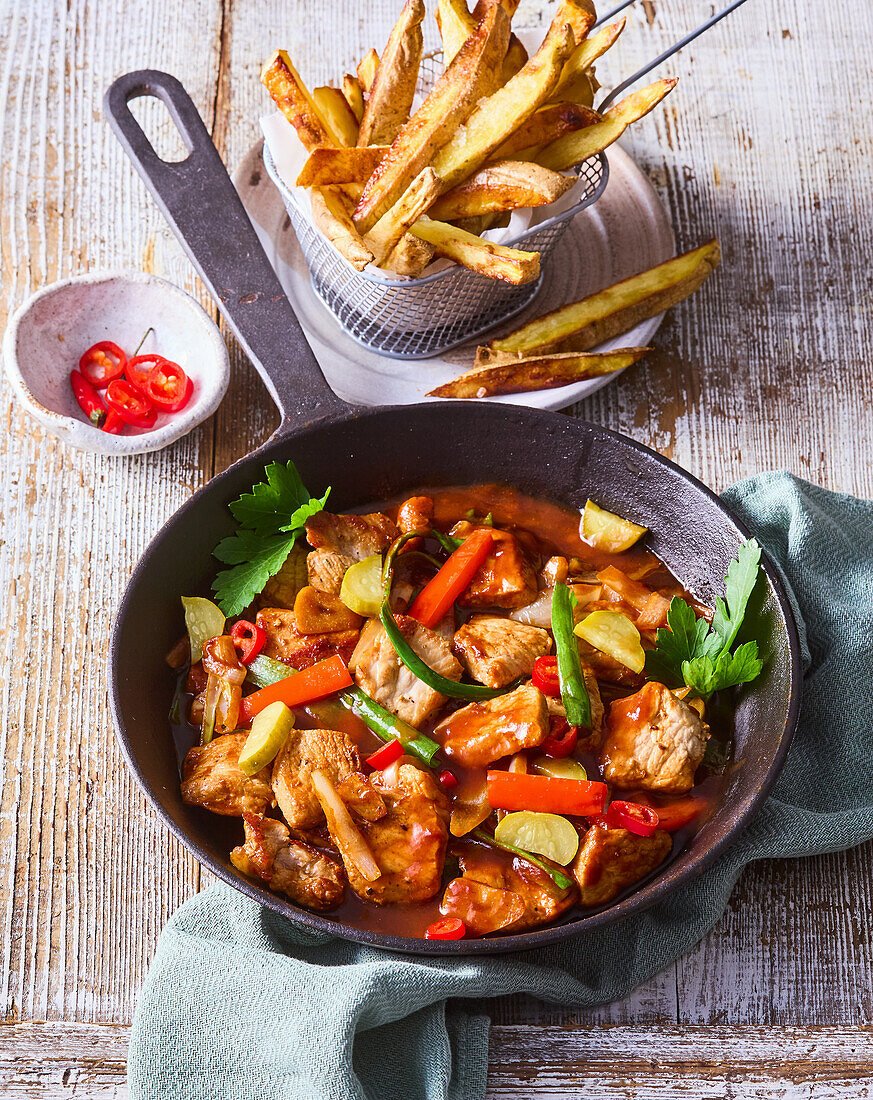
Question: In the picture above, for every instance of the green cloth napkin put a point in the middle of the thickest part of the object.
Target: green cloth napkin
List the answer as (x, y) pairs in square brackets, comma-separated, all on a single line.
[(241, 1004)]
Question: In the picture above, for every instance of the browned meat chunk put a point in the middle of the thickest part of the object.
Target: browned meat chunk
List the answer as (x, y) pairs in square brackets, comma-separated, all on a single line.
[(611, 859), (213, 779), (415, 514), (589, 741), (355, 537), (361, 798), (654, 741), (380, 672), (285, 643), (479, 734), (496, 893), (305, 751), (326, 569), (409, 842), (291, 867), (496, 651), (505, 579)]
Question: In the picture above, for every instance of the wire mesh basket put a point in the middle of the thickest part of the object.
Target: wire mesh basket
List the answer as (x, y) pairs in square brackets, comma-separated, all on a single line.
[(416, 318)]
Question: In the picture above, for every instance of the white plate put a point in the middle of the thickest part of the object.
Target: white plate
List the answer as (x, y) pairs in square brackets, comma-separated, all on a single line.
[(625, 231)]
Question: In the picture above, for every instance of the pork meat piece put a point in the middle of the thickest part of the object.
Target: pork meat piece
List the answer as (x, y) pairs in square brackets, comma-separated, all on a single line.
[(505, 579), (610, 860), (213, 779), (304, 752), (479, 734), (415, 514), (591, 739), (326, 569), (355, 537), (361, 798), (654, 741), (284, 643), (289, 866), (409, 842), (383, 676), (496, 651), (496, 893)]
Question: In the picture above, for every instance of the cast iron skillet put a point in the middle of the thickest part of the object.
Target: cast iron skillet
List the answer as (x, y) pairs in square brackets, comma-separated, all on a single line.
[(367, 455)]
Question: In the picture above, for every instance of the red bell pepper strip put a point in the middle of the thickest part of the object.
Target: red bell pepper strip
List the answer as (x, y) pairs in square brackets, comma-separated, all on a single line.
[(451, 928), (131, 403), (168, 387), (678, 814), (88, 398), (315, 682), (385, 757), (102, 362), (545, 676), (113, 423), (438, 595), (248, 640), (139, 367), (561, 740), (547, 794), (634, 816)]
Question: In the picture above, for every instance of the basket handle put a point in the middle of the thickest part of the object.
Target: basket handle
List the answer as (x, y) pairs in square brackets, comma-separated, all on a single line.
[(201, 204)]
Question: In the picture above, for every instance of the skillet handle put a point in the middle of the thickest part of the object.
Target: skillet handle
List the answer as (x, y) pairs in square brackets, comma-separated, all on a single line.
[(201, 204)]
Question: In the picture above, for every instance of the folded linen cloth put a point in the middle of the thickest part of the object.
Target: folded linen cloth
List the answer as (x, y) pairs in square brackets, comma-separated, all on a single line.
[(241, 1004)]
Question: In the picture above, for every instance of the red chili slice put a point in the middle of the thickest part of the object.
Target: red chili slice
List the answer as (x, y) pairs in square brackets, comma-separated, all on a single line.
[(102, 362), (385, 757), (447, 780), (139, 368), (545, 676), (130, 403), (451, 928), (561, 740), (168, 387), (248, 640), (114, 423), (633, 816), (88, 398)]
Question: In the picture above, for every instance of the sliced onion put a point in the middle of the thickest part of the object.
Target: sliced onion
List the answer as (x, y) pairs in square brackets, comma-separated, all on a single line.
[(538, 613), (219, 657), (346, 835), (210, 702)]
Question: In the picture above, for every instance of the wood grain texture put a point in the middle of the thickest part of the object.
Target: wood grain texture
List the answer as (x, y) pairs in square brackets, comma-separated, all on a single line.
[(764, 367)]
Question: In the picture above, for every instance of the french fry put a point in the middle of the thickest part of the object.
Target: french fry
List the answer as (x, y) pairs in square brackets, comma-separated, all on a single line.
[(386, 233), (515, 60), (326, 165), (610, 312), (331, 215), (574, 148), (496, 261), (544, 126), (410, 257), (294, 100), (586, 53), (366, 70), (332, 107), (544, 372), (450, 102), (579, 14), (354, 95), (581, 90), (496, 117), (501, 185), (393, 87), (455, 24)]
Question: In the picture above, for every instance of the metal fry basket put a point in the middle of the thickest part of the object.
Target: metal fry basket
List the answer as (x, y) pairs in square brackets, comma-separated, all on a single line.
[(416, 318)]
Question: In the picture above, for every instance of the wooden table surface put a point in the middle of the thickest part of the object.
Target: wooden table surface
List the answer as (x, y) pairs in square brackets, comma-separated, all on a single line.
[(767, 142)]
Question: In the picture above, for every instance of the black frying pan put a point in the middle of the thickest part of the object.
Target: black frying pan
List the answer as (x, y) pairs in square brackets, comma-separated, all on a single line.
[(370, 454)]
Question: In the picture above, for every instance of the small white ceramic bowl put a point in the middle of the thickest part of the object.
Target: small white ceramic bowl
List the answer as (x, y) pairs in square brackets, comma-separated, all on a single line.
[(47, 335)]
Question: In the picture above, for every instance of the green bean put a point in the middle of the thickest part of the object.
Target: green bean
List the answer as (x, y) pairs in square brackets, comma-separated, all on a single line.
[(574, 693)]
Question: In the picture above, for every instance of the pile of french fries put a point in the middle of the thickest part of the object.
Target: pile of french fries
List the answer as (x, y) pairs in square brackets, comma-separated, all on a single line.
[(498, 131), (554, 349)]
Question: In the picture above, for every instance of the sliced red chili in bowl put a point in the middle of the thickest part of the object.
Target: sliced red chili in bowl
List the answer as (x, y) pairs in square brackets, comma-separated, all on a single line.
[(87, 398), (168, 387), (545, 676), (102, 362), (561, 740), (248, 640), (114, 424), (139, 367), (131, 403), (633, 816), (451, 928)]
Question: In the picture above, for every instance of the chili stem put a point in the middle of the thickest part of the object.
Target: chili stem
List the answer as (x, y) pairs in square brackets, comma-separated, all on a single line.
[(140, 344)]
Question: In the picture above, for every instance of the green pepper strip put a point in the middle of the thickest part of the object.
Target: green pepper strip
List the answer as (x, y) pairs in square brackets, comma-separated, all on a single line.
[(448, 542), (558, 877), (405, 651), (264, 671), (574, 693), (388, 726)]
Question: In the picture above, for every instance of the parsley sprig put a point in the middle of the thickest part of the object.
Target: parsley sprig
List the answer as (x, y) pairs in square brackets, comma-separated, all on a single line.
[(271, 517), (698, 655)]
